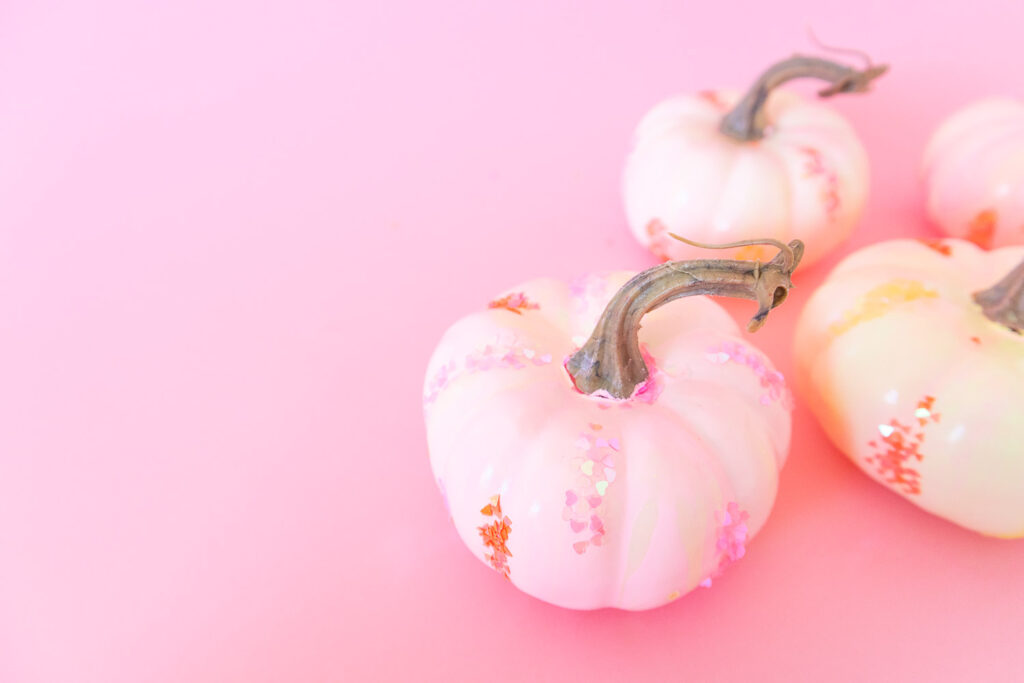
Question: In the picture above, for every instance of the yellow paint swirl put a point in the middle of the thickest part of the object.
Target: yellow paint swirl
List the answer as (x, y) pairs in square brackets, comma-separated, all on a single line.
[(879, 301)]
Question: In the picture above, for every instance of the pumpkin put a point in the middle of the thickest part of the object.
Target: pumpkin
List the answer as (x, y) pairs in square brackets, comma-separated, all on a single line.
[(621, 469), (910, 356), (717, 166), (974, 173)]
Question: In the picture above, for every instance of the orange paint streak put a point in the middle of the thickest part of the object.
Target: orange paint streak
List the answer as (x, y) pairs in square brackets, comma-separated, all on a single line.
[(937, 245), (983, 228)]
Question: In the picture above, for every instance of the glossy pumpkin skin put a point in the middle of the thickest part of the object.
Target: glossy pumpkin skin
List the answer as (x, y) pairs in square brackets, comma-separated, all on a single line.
[(974, 173), (806, 179), (604, 503), (915, 385)]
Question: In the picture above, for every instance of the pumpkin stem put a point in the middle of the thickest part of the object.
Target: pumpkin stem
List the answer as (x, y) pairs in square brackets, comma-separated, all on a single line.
[(1003, 302), (747, 122), (611, 361)]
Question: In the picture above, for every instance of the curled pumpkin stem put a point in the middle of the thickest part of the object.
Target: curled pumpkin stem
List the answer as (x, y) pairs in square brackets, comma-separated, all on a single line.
[(611, 362), (747, 120)]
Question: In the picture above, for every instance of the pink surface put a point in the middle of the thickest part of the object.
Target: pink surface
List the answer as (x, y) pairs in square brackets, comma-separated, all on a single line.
[(230, 237)]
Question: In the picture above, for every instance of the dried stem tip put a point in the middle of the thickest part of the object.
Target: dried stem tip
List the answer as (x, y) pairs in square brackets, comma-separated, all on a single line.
[(611, 361)]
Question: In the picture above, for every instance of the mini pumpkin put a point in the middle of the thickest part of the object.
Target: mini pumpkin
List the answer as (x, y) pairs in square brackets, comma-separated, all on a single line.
[(974, 172), (718, 166), (592, 463), (911, 357)]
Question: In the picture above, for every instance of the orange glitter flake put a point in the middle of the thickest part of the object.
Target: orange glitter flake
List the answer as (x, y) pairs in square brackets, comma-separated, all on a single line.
[(495, 536), (937, 245), (982, 228), (976, 340), (899, 446), (515, 302)]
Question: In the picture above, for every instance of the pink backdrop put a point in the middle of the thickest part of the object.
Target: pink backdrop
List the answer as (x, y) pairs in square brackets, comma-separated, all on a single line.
[(230, 237)]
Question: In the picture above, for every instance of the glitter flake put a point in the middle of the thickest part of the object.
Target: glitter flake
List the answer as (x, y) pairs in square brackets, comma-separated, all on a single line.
[(899, 446), (771, 380), (815, 168), (585, 506), (515, 303), (495, 537), (500, 354)]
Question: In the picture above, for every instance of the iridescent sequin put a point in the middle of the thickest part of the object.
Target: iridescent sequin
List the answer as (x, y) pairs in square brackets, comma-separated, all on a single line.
[(593, 473), (730, 539), (589, 292), (879, 301), (771, 380), (899, 446), (495, 537), (503, 353)]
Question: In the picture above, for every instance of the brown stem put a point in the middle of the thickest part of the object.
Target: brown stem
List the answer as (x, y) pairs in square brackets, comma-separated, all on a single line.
[(1003, 302), (746, 121), (611, 361)]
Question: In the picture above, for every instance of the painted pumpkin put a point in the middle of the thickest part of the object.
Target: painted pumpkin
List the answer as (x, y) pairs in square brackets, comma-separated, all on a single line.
[(910, 357), (625, 469), (720, 167), (974, 172)]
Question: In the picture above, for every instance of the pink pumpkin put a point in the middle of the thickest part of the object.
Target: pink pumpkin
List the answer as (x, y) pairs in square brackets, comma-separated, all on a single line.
[(623, 470), (910, 356), (719, 167), (974, 172)]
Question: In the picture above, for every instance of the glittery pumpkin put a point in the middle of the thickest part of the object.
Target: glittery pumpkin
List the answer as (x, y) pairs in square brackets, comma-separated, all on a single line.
[(626, 503), (913, 382)]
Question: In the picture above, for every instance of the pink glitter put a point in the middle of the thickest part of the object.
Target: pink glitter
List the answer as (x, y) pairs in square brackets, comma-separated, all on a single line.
[(500, 355), (816, 167), (594, 472), (771, 380), (587, 291), (651, 389), (732, 534)]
